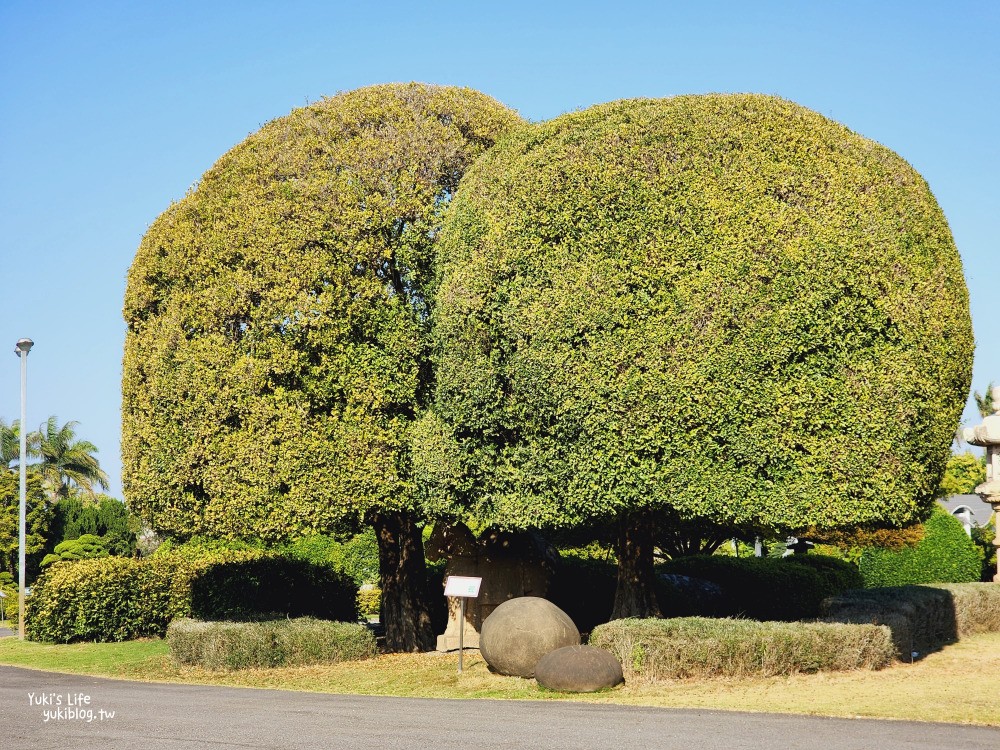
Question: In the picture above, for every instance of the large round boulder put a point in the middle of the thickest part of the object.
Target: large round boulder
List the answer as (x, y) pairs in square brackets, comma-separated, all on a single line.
[(579, 669), (521, 631)]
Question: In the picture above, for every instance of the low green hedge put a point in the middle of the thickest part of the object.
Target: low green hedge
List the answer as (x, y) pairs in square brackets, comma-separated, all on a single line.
[(678, 648), (945, 554), (118, 599), (922, 618), (763, 588), (277, 643)]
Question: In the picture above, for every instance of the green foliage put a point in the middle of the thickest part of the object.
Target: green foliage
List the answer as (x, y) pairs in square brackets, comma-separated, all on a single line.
[(38, 523), (107, 599), (67, 466), (369, 601), (584, 588), (117, 599), (922, 618), (85, 547), (983, 537), (946, 554), (679, 648), (105, 517), (964, 472), (282, 643), (764, 588), (728, 306), (268, 585), (984, 400), (357, 557), (276, 354)]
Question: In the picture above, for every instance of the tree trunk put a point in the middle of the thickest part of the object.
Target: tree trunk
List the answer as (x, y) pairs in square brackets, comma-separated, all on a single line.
[(405, 609), (635, 595)]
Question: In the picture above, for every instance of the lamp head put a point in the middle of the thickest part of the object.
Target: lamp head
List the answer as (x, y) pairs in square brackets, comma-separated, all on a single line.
[(23, 345)]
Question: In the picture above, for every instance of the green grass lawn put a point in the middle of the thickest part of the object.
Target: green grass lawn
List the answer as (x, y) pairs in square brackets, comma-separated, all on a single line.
[(957, 684)]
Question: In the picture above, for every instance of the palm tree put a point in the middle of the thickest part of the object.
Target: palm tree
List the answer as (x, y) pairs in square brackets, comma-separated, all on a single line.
[(67, 464), (10, 447), (985, 401)]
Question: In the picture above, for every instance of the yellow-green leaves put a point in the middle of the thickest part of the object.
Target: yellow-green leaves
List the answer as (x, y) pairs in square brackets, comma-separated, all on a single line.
[(277, 349), (726, 305)]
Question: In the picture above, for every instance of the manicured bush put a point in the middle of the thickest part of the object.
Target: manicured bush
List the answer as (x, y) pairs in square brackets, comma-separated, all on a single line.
[(678, 648), (584, 588), (107, 599), (946, 554), (357, 557), (763, 588), (276, 643), (922, 618), (85, 547), (267, 585), (117, 599)]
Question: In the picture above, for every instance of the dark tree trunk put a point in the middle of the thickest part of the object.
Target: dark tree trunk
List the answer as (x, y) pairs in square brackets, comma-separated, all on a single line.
[(405, 610), (635, 595)]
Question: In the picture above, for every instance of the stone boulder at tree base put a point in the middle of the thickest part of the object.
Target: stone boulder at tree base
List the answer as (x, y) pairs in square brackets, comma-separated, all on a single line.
[(521, 631), (579, 669)]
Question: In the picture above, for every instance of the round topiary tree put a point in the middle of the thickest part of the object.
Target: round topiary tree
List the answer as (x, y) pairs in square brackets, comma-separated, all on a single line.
[(276, 352), (727, 306), (945, 554)]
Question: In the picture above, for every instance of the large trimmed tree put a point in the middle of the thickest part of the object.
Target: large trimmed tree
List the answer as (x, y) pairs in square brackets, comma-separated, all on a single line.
[(726, 308), (276, 353)]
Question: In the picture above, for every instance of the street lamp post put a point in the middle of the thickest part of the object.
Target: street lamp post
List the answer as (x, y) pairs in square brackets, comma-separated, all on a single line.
[(21, 349)]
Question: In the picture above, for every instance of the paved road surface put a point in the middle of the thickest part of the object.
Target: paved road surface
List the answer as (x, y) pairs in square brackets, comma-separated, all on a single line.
[(175, 717)]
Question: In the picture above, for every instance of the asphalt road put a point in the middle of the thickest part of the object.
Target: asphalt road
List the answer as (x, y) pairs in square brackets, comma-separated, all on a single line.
[(47, 710)]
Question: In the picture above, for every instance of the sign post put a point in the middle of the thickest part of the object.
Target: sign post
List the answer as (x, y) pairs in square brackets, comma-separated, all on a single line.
[(464, 587)]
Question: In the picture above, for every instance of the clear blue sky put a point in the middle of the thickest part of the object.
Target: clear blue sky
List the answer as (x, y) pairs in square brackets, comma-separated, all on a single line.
[(111, 110)]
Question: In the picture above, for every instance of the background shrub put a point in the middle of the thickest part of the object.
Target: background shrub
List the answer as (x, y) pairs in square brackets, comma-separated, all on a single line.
[(277, 643), (82, 548), (762, 588), (946, 554), (107, 599), (704, 647), (269, 585), (584, 588), (117, 599), (922, 618), (357, 557)]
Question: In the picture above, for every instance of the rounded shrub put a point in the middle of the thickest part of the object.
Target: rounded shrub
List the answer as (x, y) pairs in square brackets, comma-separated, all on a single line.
[(763, 588), (946, 554), (118, 599), (727, 305), (276, 350)]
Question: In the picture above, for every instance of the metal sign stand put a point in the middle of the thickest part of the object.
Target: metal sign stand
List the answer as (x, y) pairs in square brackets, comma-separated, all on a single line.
[(464, 587)]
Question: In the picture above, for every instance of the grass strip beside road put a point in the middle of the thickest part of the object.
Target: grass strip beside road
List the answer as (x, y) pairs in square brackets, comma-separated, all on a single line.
[(957, 684)]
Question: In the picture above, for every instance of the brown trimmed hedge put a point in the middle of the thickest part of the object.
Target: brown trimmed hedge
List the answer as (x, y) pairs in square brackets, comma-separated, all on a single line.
[(277, 643), (921, 618), (699, 647)]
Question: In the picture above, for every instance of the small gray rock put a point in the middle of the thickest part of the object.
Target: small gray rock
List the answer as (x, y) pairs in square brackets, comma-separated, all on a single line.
[(521, 631), (578, 669)]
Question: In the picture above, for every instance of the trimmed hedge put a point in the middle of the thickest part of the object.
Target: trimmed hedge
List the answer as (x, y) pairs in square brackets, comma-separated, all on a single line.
[(700, 647), (921, 618), (118, 599), (762, 588), (276, 643), (946, 554)]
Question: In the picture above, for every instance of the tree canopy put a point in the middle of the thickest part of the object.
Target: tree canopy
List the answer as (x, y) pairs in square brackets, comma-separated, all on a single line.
[(724, 305), (277, 352), (277, 324)]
